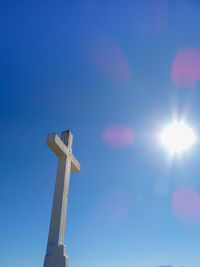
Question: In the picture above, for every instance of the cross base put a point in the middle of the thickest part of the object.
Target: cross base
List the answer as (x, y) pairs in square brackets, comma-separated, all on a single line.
[(55, 256)]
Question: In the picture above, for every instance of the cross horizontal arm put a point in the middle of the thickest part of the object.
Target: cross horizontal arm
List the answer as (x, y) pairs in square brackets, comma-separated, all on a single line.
[(61, 150), (75, 166)]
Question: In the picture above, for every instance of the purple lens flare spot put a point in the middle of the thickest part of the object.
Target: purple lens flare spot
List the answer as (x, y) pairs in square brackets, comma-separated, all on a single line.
[(186, 205), (107, 57), (186, 67), (118, 136)]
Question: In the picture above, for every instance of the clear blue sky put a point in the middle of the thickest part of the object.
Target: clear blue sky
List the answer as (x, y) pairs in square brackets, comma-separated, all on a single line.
[(88, 66)]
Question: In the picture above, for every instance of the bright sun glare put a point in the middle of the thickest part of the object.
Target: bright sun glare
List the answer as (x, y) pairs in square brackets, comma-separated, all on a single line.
[(178, 137)]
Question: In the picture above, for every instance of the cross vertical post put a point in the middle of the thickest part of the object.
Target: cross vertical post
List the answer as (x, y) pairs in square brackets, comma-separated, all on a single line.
[(55, 253)]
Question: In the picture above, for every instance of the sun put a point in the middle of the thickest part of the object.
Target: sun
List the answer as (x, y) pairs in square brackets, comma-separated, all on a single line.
[(178, 137)]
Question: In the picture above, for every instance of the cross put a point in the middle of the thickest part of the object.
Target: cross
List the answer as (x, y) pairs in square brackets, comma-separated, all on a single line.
[(55, 254)]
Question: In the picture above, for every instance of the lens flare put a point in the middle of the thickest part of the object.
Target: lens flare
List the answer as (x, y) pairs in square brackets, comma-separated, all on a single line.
[(118, 136), (108, 58), (178, 137), (186, 205), (112, 209), (186, 67)]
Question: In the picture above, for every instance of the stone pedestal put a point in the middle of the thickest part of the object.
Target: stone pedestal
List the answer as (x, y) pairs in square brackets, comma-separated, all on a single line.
[(55, 256)]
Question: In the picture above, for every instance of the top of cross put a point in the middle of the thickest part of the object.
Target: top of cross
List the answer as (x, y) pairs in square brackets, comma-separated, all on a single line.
[(67, 138), (62, 147)]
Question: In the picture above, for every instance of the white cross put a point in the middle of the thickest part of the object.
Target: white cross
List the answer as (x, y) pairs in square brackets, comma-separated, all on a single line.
[(55, 255)]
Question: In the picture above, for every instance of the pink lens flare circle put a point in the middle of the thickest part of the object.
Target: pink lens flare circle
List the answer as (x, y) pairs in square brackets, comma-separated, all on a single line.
[(186, 67), (112, 209), (118, 136), (116, 205), (109, 60), (186, 205)]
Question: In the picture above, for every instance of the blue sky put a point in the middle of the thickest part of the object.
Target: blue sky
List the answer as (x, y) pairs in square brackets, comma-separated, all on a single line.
[(95, 67)]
